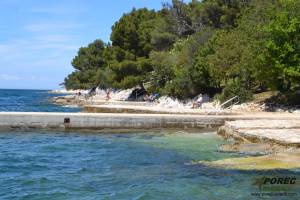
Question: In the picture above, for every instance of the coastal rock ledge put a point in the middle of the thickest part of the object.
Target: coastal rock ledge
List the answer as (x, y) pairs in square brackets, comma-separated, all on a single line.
[(280, 132), (267, 144)]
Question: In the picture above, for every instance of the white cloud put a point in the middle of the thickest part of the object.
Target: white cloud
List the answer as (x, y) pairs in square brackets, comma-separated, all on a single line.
[(42, 44), (51, 26), (8, 77), (39, 46)]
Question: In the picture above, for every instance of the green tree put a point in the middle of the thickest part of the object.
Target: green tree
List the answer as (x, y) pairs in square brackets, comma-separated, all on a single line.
[(283, 45), (88, 61), (131, 45), (234, 61), (133, 32), (230, 47)]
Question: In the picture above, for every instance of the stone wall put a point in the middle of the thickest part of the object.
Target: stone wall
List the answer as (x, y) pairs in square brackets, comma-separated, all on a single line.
[(63, 121)]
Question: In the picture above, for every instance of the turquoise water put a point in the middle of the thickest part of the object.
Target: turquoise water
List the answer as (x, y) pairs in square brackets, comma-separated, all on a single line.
[(30, 101), (43, 165), (49, 165)]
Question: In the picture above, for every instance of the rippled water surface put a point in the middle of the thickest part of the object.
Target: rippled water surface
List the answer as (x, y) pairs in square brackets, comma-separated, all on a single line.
[(30, 101), (42, 165)]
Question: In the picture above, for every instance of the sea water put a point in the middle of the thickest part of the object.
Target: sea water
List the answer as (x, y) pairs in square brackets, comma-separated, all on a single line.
[(31, 101), (44, 165), (152, 165)]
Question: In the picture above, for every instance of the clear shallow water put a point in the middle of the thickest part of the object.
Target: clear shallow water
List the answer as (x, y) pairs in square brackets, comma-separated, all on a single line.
[(118, 166), (44, 165), (30, 101)]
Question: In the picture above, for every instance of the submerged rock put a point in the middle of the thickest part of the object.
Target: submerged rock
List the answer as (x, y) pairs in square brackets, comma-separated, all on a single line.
[(284, 160), (252, 148)]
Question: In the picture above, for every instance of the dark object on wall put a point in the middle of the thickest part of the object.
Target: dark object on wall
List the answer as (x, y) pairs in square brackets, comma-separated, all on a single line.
[(67, 120)]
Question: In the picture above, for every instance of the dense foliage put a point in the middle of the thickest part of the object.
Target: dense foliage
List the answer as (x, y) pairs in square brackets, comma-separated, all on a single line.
[(223, 47)]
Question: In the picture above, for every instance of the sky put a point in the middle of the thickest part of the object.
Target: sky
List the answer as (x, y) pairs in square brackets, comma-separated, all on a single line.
[(38, 39)]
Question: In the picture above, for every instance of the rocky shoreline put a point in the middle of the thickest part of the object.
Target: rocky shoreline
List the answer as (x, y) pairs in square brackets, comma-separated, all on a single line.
[(264, 137), (164, 105), (69, 100)]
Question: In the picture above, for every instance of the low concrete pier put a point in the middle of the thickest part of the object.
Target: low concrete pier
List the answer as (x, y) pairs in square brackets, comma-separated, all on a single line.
[(282, 129), (98, 121)]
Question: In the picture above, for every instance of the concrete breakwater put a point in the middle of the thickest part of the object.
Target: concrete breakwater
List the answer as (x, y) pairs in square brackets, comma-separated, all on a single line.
[(98, 121), (283, 129), (125, 120)]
